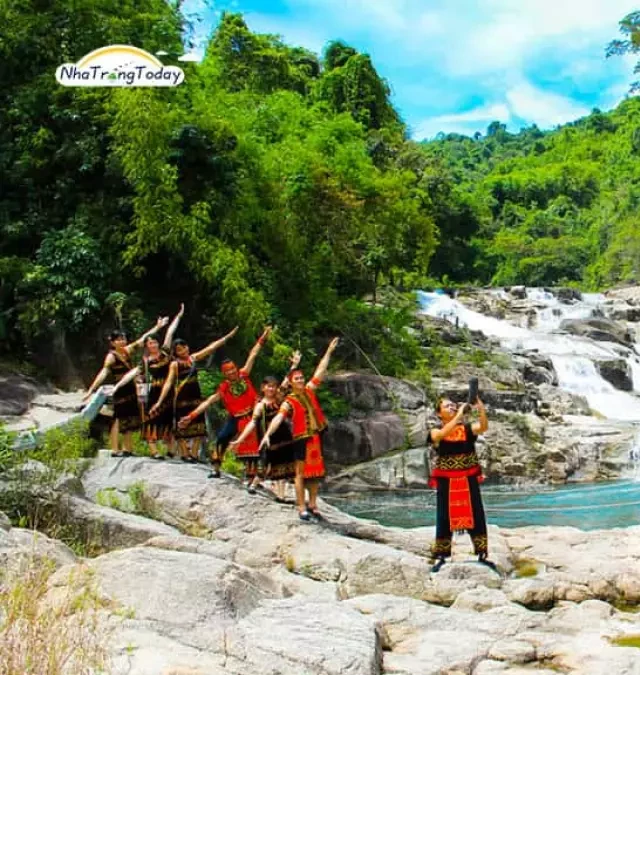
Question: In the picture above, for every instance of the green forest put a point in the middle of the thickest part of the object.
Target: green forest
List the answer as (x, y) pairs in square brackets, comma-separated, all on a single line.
[(274, 186)]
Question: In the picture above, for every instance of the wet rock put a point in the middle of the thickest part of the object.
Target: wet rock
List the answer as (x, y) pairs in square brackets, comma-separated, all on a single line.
[(617, 371)]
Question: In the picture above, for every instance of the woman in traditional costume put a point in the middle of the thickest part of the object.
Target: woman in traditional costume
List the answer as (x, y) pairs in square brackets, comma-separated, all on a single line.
[(457, 476), (183, 378), (126, 409), (239, 396), (302, 409), (154, 371), (279, 464)]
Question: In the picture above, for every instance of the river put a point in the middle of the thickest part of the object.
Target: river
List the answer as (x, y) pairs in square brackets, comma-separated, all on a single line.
[(588, 507)]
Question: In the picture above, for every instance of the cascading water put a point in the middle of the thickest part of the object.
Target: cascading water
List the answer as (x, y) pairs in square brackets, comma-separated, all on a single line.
[(574, 358)]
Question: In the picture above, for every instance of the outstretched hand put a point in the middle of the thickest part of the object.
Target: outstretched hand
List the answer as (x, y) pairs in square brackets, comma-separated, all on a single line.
[(162, 322), (266, 442), (184, 422), (333, 344)]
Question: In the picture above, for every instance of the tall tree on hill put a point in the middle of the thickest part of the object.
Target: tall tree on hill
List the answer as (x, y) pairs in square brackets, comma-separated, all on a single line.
[(630, 29)]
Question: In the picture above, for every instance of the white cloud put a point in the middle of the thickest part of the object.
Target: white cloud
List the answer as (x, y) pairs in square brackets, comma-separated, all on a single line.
[(442, 55), (464, 122), (545, 109)]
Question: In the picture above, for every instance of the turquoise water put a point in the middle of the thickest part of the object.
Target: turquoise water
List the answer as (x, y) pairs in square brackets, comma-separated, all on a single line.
[(589, 507)]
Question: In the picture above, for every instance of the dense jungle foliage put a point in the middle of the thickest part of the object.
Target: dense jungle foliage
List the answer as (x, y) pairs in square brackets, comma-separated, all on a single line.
[(273, 186)]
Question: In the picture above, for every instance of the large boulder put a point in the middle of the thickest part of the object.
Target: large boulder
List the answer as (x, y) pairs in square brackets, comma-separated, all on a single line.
[(599, 329), (297, 637), (395, 471), (617, 371), (353, 439), (16, 394), (370, 392)]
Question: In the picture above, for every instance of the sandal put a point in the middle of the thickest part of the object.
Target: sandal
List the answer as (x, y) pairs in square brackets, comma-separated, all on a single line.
[(305, 516), (437, 566), (314, 512), (482, 558), (117, 454)]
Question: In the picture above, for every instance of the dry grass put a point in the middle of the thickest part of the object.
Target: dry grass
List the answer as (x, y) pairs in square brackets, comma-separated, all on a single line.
[(48, 627)]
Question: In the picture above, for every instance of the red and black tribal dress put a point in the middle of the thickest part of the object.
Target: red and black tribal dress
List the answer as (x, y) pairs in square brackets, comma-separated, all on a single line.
[(456, 476), (308, 422), (154, 372), (239, 399), (126, 408), (186, 397), (280, 464)]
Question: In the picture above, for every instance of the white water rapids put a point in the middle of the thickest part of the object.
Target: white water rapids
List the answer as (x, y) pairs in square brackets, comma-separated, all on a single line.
[(574, 358)]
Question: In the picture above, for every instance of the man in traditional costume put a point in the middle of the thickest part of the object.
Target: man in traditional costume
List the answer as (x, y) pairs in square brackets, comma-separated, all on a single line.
[(457, 476), (238, 395)]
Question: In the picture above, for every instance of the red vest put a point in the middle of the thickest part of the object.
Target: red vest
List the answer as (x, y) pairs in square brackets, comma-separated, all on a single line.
[(300, 422), (238, 404)]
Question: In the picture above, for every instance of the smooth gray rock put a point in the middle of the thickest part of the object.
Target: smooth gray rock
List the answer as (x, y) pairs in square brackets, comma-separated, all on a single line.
[(298, 637)]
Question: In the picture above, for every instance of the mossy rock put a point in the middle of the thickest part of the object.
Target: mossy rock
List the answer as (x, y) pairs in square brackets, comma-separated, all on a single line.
[(627, 641), (526, 567)]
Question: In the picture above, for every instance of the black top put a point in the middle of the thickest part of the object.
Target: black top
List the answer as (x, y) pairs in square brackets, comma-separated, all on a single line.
[(457, 454)]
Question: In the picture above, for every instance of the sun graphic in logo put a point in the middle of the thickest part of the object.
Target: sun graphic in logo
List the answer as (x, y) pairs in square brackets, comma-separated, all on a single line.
[(119, 65)]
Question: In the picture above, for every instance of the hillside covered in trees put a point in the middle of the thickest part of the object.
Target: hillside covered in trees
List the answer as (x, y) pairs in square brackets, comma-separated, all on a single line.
[(272, 186)]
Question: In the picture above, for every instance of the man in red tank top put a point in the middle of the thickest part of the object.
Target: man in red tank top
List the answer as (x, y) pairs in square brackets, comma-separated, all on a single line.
[(238, 395)]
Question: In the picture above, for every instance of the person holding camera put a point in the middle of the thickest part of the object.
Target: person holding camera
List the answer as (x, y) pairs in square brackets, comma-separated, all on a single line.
[(457, 476)]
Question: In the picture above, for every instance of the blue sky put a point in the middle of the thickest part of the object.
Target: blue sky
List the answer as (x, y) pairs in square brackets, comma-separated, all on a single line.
[(457, 65)]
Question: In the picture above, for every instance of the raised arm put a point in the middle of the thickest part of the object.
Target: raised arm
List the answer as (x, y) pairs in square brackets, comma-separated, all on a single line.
[(321, 369), (186, 420), (482, 424), (168, 338), (162, 322), (131, 374), (101, 376), (168, 382), (250, 427), (294, 361), (247, 367), (212, 347)]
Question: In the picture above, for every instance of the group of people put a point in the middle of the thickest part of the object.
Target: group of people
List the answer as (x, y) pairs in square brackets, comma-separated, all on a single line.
[(276, 433)]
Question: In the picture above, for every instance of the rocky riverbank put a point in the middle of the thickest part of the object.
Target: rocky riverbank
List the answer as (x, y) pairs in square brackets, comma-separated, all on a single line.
[(218, 581), (540, 432)]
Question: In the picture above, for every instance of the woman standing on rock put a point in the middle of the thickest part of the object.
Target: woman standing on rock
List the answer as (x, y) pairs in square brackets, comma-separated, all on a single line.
[(456, 477), (154, 371), (126, 410), (307, 424), (279, 464), (183, 377)]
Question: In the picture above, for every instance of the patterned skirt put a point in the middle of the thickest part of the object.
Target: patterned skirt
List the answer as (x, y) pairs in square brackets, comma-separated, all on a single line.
[(309, 450), (159, 427), (249, 448), (126, 409)]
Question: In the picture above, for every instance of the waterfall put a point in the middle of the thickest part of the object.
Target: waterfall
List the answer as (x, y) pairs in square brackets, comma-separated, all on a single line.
[(574, 358)]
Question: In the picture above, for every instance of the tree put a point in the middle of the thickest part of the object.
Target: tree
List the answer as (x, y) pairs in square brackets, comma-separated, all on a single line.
[(630, 29)]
